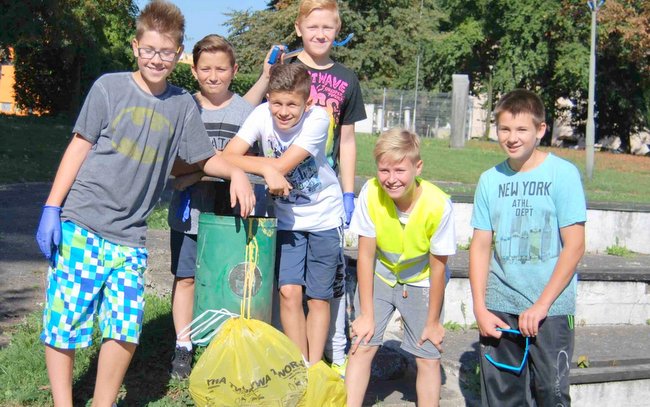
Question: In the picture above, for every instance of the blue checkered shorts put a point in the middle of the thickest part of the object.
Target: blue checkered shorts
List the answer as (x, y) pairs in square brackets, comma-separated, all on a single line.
[(93, 276)]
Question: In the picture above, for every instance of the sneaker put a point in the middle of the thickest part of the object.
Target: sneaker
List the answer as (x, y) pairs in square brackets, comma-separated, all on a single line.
[(340, 369), (181, 363)]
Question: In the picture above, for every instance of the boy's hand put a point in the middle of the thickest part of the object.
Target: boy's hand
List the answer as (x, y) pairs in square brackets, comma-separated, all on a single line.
[(530, 319), (363, 328), (488, 323), (181, 182), (348, 204), (434, 333), (48, 234), (276, 182), (242, 192)]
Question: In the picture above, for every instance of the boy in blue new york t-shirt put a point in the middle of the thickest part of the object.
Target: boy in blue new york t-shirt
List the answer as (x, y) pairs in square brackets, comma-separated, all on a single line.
[(532, 208)]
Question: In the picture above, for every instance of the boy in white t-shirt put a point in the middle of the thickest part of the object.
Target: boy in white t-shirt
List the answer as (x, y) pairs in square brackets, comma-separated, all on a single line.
[(406, 232), (307, 199)]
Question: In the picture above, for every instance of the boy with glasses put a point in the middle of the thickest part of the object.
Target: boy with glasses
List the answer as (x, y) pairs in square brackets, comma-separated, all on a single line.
[(531, 208), (129, 132)]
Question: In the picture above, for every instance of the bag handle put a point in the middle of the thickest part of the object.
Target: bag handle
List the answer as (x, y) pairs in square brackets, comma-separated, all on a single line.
[(252, 256)]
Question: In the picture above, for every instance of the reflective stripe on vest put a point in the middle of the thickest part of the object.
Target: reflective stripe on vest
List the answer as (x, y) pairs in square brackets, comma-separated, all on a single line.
[(403, 250)]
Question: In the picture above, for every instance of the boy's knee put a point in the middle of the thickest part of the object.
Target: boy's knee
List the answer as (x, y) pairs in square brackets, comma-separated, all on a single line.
[(291, 293), (429, 364), (318, 304), (186, 282)]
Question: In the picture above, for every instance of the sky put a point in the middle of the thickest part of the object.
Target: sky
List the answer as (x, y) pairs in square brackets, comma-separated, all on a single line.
[(203, 17)]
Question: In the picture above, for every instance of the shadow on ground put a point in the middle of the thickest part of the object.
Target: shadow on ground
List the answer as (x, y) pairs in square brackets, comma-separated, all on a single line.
[(147, 379)]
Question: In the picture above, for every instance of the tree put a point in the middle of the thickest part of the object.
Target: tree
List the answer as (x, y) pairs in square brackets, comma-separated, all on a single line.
[(383, 52), (544, 46), (61, 46)]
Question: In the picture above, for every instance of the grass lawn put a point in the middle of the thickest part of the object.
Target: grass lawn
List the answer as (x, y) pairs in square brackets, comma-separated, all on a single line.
[(23, 376), (617, 177), (31, 148)]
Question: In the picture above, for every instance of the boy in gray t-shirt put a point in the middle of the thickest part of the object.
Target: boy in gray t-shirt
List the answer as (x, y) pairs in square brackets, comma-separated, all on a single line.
[(131, 128)]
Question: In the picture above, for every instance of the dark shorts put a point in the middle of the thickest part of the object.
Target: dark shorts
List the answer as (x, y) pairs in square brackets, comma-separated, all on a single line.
[(183, 248), (545, 376), (310, 259)]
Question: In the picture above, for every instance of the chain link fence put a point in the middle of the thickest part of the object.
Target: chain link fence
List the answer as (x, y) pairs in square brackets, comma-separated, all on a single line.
[(429, 115)]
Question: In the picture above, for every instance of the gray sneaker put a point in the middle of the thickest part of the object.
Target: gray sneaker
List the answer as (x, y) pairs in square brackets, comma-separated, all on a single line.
[(181, 363)]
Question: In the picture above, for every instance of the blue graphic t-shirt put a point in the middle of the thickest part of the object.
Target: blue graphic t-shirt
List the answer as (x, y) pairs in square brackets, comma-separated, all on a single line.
[(525, 211)]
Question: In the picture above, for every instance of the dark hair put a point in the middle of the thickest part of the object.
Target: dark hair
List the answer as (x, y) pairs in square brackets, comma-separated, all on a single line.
[(290, 78), (521, 101), (213, 43), (162, 17)]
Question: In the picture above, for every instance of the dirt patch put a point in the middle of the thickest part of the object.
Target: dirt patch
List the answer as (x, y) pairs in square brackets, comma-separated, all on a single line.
[(23, 268)]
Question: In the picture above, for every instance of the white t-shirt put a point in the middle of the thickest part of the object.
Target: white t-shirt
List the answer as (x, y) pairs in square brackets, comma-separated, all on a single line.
[(316, 201), (443, 241)]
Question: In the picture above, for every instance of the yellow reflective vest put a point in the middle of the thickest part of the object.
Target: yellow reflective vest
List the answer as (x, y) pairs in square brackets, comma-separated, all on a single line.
[(403, 250)]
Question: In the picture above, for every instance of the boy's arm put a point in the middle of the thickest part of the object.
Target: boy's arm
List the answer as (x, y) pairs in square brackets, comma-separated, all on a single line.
[(48, 234), (256, 93), (348, 159), (433, 329), (363, 327), (573, 239), (479, 265), (272, 169), (240, 187)]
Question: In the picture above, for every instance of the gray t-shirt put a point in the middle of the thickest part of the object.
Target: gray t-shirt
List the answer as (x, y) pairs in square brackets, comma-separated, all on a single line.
[(136, 138), (222, 125)]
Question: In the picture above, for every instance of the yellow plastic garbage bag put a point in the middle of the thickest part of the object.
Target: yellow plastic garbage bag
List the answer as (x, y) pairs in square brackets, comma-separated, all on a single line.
[(249, 363), (325, 388)]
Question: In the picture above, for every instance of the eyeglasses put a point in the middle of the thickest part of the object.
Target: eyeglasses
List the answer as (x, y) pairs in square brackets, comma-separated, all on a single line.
[(164, 54), (516, 369)]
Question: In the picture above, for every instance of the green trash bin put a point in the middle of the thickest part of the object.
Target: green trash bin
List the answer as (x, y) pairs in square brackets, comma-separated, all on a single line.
[(221, 263)]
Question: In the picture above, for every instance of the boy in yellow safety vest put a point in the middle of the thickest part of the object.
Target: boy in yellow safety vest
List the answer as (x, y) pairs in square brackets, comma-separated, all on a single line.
[(406, 232)]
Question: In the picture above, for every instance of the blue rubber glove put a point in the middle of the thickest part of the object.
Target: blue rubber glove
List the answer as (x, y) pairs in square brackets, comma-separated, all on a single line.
[(184, 208), (348, 205), (48, 235)]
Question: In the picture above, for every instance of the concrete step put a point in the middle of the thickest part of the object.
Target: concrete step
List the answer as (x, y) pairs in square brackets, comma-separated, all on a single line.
[(611, 290), (618, 372)]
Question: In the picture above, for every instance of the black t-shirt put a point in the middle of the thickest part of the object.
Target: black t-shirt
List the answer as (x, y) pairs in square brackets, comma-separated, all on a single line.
[(337, 90)]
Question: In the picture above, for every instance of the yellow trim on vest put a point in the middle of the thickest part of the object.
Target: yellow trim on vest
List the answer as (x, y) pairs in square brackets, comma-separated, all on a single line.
[(407, 243)]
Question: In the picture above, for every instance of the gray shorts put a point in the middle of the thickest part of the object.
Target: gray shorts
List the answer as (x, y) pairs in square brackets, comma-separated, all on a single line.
[(310, 259), (413, 309)]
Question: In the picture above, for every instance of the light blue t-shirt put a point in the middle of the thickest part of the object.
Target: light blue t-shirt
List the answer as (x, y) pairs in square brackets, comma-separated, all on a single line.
[(525, 211)]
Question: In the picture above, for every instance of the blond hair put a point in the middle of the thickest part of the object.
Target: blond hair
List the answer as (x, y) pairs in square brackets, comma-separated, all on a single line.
[(520, 101), (397, 144), (307, 6), (162, 17), (213, 43)]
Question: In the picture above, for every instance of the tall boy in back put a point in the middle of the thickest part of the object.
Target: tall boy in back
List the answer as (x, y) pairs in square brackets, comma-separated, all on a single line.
[(335, 88), (308, 204), (131, 128), (406, 232), (532, 208)]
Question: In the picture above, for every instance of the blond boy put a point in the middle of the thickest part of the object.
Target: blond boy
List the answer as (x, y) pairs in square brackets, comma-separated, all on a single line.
[(406, 232)]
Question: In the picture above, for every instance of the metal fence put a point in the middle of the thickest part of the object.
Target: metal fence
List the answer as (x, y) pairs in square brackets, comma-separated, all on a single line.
[(429, 116)]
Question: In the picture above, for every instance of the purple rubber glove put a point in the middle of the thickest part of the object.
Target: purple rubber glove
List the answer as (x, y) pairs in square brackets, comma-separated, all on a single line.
[(48, 235), (348, 205)]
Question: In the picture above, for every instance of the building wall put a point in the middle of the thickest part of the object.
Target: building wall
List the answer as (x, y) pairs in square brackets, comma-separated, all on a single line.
[(7, 80)]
